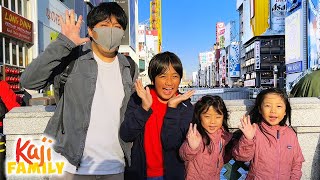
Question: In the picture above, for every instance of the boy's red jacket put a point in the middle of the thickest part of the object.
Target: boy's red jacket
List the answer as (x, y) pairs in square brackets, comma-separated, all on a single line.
[(8, 96)]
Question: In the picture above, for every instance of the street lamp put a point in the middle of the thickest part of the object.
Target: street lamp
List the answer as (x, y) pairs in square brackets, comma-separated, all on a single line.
[(275, 72)]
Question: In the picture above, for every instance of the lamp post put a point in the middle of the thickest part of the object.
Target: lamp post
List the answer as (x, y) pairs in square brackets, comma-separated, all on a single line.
[(275, 73)]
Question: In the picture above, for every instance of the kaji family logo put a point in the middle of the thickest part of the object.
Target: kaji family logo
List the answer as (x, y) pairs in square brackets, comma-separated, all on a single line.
[(34, 159)]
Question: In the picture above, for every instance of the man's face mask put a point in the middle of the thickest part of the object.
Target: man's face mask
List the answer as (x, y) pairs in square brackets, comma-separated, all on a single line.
[(108, 37)]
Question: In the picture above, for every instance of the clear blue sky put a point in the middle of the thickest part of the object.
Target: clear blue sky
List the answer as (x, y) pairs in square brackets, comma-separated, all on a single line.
[(188, 27)]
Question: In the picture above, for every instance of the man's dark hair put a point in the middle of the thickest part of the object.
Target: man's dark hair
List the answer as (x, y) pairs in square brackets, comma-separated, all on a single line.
[(160, 63), (105, 11)]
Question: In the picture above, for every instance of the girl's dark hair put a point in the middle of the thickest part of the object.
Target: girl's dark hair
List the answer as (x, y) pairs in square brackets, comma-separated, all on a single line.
[(105, 11), (255, 114), (202, 106), (159, 64)]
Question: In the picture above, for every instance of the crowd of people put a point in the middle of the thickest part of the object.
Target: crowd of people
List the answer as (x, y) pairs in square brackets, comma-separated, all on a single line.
[(107, 124)]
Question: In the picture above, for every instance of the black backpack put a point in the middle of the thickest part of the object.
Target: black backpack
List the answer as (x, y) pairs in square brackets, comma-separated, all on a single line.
[(3, 109), (63, 77)]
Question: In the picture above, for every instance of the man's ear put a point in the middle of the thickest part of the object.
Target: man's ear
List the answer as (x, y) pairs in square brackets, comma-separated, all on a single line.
[(90, 33)]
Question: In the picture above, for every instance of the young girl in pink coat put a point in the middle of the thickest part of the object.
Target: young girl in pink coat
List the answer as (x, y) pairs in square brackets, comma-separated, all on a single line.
[(204, 149), (270, 144)]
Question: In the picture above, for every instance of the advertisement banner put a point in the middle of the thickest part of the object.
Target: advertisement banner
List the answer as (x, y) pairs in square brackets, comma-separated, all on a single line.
[(247, 28), (294, 37), (132, 24), (257, 55), (313, 33), (278, 14), (234, 62), (227, 35), (292, 6), (16, 26), (203, 60), (220, 31)]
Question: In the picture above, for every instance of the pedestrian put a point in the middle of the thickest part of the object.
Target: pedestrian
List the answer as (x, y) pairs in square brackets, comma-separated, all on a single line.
[(204, 149), (270, 144), (8, 100), (156, 121), (85, 125)]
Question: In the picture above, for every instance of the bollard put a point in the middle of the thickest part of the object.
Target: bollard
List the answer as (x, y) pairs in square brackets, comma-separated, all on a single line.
[(2, 156)]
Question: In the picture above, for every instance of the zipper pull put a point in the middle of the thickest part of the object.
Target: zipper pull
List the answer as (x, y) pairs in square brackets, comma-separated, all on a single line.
[(278, 134)]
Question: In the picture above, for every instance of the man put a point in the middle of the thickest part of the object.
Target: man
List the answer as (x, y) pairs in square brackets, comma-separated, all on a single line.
[(87, 119)]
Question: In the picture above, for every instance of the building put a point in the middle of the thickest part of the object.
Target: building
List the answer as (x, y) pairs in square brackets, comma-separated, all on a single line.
[(17, 39), (262, 42)]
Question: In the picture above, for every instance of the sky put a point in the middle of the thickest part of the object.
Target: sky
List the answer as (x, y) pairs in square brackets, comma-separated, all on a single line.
[(188, 27)]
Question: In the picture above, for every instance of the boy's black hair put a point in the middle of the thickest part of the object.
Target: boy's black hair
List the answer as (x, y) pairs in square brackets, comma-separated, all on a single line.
[(202, 106), (159, 64), (106, 10), (255, 114)]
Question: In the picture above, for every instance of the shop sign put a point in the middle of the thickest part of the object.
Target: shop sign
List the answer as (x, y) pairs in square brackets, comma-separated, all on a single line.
[(294, 67), (16, 26), (251, 82), (257, 54)]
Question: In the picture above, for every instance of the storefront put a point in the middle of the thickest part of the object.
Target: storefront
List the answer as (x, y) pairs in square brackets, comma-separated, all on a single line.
[(16, 37)]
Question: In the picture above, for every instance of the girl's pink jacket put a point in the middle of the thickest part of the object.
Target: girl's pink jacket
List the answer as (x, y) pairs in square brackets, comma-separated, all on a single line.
[(274, 153), (205, 162)]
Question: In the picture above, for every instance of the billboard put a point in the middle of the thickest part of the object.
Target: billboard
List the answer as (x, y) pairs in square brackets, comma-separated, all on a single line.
[(234, 60), (227, 35), (142, 41), (220, 31), (293, 6), (257, 55), (132, 24), (313, 33), (294, 37), (247, 28), (277, 15)]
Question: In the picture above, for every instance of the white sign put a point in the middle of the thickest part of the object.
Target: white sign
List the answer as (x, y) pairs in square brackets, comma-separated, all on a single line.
[(248, 83), (208, 91), (257, 55), (49, 12)]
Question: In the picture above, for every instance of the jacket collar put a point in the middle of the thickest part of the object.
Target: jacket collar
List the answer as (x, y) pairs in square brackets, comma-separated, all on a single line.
[(273, 130)]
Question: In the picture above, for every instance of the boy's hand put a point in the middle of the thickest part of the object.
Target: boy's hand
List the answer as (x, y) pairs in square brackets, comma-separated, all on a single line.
[(144, 94), (248, 129), (71, 29), (174, 101), (193, 137)]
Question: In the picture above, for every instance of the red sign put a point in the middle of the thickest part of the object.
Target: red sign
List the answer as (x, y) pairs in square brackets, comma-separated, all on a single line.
[(16, 26)]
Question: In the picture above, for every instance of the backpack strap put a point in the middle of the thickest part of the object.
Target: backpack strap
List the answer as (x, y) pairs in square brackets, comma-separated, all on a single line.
[(132, 66)]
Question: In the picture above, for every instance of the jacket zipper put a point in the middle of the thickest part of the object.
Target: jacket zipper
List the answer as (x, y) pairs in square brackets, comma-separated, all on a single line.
[(278, 146), (220, 149)]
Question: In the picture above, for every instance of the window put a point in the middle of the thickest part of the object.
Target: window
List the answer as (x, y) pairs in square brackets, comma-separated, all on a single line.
[(13, 5), (26, 56), (21, 55), (6, 3), (14, 52), (20, 7), (7, 50)]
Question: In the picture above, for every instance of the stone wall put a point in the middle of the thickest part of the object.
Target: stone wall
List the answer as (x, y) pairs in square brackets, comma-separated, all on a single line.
[(29, 122)]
